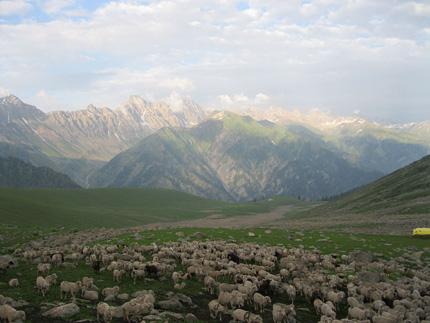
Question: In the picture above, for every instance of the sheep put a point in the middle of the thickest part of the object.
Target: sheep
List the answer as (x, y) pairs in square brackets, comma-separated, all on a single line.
[(328, 311), (90, 295), (51, 279), (176, 276), (260, 301), (138, 273), (117, 274), (57, 259), (335, 298), (42, 285), (87, 282), (43, 269), (68, 287), (179, 286), (317, 305), (279, 314), (14, 282), (209, 284), (241, 316), (291, 292), (105, 311), (358, 313), (9, 314), (152, 270), (216, 308), (96, 265), (136, 309), (244, 316), (110, 291)]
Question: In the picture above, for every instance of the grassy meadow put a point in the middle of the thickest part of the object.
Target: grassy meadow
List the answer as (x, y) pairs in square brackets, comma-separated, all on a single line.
[(386, 247), (116, 207)]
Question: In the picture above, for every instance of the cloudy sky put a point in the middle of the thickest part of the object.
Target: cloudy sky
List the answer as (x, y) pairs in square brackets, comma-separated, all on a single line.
[(346, 56)]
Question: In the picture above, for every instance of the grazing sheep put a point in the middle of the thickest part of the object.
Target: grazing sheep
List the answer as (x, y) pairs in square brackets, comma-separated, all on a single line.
[(358, 313), (152, 270), (110, 291), (209, 284), (138, 273), (87, 282), (136, 309), (14, 282), (117, 274), (68, 287), (105, 311), (9, 314), (179, 286), (43, 269), (42, 285), (261, 301), (57, 259), (245, 316), (216, 308), (279, 314), (96, 265), (328, 311), (90, 295), (51, 279)]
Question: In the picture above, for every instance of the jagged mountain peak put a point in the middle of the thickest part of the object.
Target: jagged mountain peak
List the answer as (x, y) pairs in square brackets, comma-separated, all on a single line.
[(11, 99)]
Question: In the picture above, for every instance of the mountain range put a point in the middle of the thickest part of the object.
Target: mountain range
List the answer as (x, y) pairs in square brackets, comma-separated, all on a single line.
[(229, 155)]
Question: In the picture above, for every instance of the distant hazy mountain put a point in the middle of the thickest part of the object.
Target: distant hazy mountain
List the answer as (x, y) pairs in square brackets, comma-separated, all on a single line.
[(405, 191), (231, 157), (81, 141), (382, 148), (78, 143), (15, 172)]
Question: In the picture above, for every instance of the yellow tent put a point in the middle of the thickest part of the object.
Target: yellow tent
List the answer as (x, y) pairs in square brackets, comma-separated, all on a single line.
[(422, 232)]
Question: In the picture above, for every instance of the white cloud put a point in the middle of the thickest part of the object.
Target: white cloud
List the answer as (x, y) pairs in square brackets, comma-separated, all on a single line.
[(344, 55), (178, 83), (14, 7), (240, 100), (4, 92)]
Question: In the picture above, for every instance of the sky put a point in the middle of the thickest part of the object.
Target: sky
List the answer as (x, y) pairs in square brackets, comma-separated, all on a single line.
[(345, 56)]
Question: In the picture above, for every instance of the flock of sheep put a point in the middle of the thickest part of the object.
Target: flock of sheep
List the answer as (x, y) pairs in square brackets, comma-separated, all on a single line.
[(237, 277)]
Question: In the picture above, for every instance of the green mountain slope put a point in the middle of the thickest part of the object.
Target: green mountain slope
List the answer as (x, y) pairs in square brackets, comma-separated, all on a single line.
[(15, 172), (405, 191), (230, 157)]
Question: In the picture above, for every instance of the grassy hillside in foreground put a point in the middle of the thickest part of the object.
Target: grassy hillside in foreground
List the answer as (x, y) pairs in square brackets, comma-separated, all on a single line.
[(116, 207), (405, 191)]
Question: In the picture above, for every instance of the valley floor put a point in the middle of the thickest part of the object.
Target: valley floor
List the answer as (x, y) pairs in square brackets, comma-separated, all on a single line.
[(293, 217)]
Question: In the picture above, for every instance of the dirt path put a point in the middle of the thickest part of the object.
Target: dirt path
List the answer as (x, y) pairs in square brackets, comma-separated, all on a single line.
[(221, 221)]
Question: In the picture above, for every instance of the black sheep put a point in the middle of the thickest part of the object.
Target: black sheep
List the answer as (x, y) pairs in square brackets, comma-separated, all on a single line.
[(232, 256), (152, 270)]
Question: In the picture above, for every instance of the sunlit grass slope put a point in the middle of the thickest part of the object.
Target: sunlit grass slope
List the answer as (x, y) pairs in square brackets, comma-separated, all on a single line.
[(115, 207)]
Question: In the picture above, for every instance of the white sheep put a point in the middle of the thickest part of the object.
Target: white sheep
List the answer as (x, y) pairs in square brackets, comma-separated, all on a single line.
[(179, 286), (216, 308), (43, 269), (279, 314), (261, 301), (138, 273), (136, 309), (209, 284), (14, 282), (327, 310), (104, 310), (51, 279), (90, 295), (68, 287), (87, 282), (9, 314), (117, 274), (42, 285), (110, 291)]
